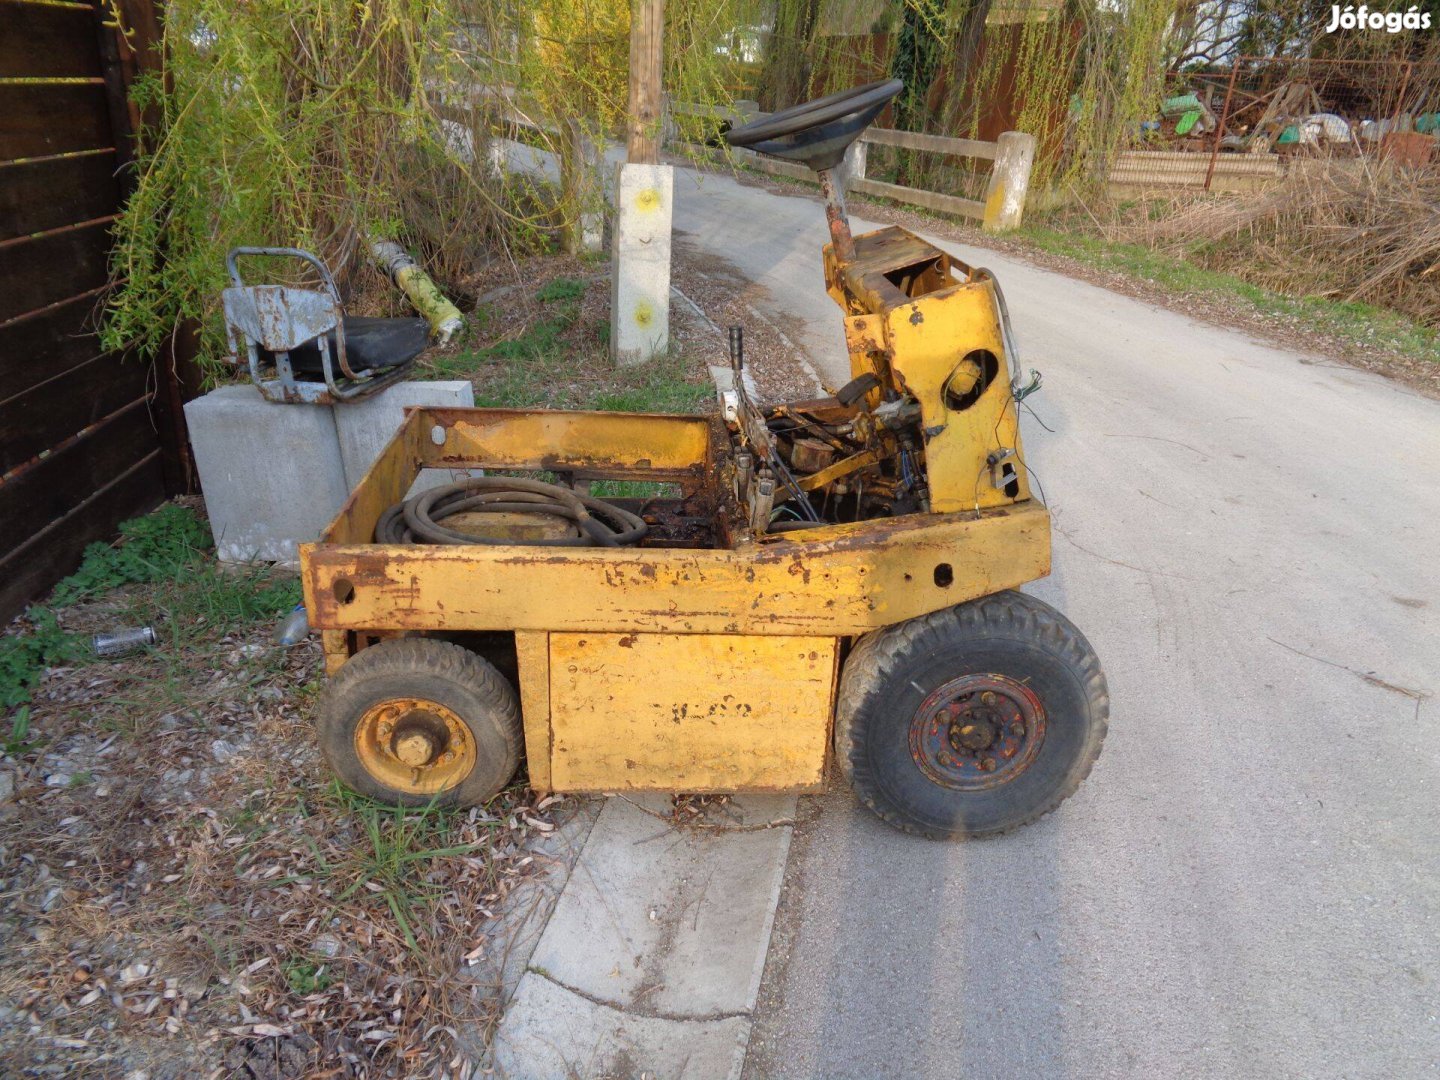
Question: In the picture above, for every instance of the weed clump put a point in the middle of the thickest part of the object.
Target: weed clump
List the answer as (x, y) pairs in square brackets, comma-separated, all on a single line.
[(168, 548)]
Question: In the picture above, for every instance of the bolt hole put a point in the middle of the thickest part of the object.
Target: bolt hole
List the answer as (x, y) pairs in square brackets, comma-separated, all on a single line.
[(909, 578), (437, 435), (344, 590), (944, 575)]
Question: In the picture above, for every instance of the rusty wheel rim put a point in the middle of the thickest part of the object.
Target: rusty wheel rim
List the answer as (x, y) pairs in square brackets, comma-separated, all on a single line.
[(977, 732), (414, 746)]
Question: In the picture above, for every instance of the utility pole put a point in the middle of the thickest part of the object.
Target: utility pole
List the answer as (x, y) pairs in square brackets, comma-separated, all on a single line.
[(640, 249), (647, 36)]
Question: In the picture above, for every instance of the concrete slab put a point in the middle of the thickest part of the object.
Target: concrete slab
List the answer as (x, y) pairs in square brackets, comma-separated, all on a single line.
[(272, 474), (552, 1032), (365, 426), (670, 921), (651, 962)]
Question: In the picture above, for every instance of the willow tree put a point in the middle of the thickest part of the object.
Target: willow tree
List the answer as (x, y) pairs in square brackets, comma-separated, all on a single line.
[(1078, 74), (314, 123)]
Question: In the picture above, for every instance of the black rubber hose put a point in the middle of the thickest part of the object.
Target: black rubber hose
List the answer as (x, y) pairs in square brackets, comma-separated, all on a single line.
[(417, 520)]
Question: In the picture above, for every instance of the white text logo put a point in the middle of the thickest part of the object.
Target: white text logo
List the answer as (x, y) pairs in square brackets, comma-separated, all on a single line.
[(1362, 18)]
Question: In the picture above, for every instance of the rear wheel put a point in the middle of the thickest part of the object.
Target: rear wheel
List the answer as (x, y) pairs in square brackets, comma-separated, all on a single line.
[(416, 720), (971, 721)]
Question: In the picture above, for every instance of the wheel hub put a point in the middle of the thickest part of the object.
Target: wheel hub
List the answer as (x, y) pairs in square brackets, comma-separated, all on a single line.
[(416, 748), (977, 731), (414, 745)]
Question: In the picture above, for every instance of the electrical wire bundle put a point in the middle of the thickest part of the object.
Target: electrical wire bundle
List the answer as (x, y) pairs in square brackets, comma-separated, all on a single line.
[(417, 519)]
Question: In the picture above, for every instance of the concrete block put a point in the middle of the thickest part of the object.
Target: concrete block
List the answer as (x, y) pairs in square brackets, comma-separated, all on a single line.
[(366, 425), (677, 927), (549, 1031), (272, 474), (640, 265)]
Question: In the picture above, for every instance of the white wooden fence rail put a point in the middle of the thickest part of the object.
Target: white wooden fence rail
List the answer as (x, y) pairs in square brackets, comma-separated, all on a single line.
[(1013, 154)]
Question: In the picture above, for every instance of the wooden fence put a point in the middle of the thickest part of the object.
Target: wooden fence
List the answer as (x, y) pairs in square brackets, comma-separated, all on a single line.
[(90, 438), (1011, 155)]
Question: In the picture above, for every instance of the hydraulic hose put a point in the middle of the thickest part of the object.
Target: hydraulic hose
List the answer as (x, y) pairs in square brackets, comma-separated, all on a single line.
[(417, 519)]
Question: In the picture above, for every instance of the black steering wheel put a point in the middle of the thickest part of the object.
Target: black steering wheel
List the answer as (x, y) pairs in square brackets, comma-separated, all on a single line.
[(818, 132)]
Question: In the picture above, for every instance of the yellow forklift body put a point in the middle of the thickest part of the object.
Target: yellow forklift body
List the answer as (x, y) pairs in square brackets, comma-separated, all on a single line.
[(694, 669), (911, 322)]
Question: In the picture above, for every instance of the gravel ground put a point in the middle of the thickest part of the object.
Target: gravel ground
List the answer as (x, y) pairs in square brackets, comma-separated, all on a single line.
[(185, 892)]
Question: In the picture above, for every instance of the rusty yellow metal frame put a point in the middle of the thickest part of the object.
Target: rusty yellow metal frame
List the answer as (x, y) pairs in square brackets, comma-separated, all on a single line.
[(913, 314), (835, 579), (707, 648)]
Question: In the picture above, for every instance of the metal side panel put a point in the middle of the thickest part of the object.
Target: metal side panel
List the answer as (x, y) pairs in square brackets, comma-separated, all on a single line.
[(689, 712), (532, 654)]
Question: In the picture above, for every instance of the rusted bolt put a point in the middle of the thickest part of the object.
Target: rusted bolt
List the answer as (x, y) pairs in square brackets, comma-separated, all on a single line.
[(1018, 730), (988, 697), (988, 765)]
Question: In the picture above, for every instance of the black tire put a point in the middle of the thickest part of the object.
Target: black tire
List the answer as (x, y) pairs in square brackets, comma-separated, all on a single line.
[(919, 699), (432, 671)]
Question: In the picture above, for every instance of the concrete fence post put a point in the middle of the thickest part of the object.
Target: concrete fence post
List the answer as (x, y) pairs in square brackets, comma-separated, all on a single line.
[(494, 157), (852, 166), (640, 263), (1009, 181), (579, 183)]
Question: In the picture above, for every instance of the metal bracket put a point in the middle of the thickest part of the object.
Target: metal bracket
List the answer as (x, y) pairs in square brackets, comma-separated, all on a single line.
[(1002, 469)]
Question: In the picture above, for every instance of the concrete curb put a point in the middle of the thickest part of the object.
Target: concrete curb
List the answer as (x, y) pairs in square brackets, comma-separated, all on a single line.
[(651, 962)]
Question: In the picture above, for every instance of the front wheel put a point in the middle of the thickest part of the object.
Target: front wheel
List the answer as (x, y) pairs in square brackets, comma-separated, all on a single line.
[(971, 721), (415, 720)]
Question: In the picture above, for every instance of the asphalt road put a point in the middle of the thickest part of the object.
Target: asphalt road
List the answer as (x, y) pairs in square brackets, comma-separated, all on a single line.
[(1249, 882)]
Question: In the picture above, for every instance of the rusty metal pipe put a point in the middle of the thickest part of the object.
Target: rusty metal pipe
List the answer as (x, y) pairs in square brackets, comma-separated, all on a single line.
[(835, 215)]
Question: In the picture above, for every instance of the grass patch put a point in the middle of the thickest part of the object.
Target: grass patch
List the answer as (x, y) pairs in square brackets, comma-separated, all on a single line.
[(561, 288), (400, 844), (305, 976), (163, 546), (559, 360), (190, 599), (1363, 325), (25, 656), (634, 489), (157, 547), (538, 342)]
